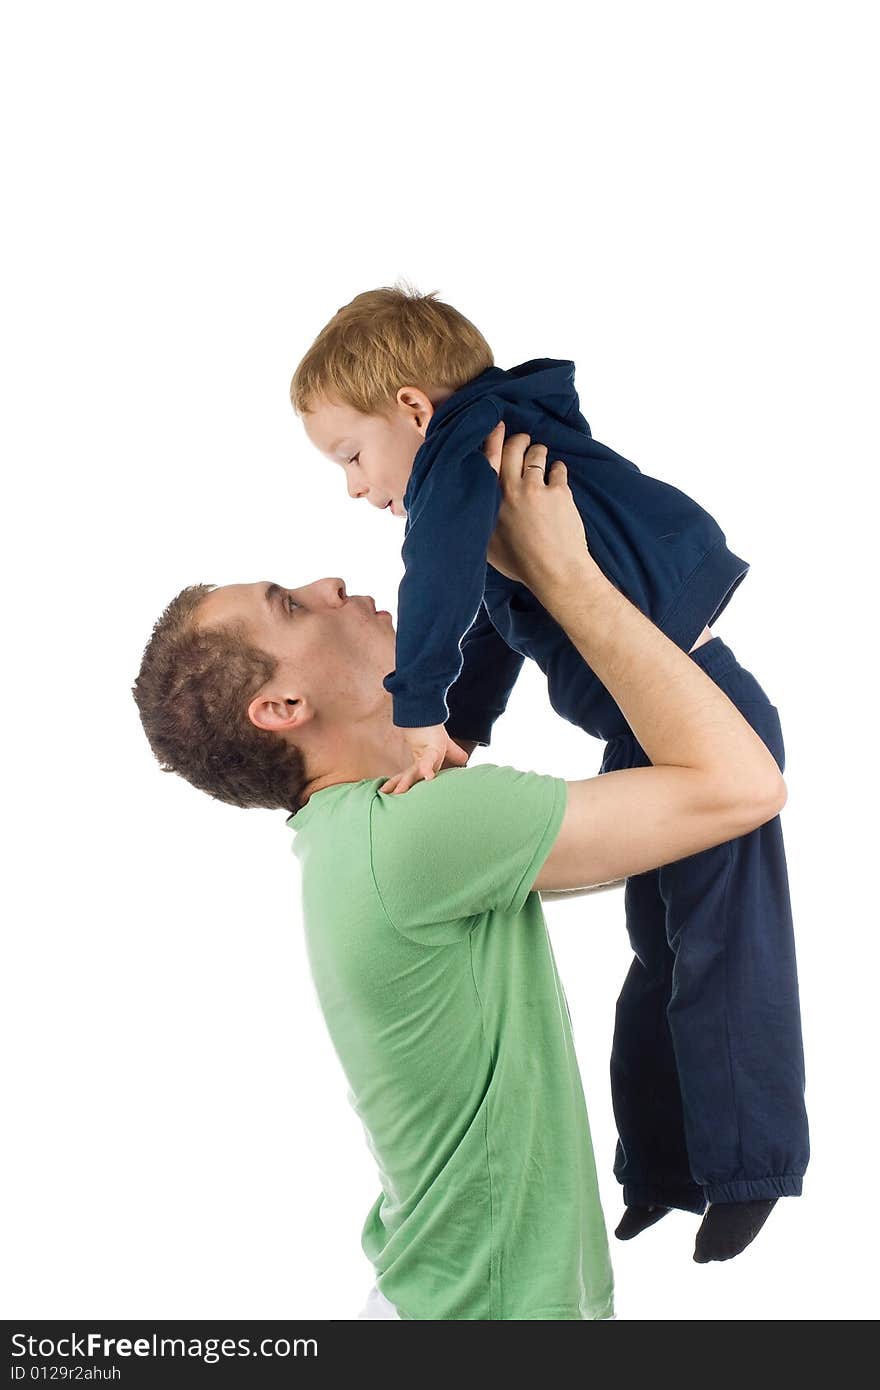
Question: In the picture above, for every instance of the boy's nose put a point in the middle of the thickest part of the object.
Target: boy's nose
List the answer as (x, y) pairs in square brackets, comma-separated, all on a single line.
[(356, 489)]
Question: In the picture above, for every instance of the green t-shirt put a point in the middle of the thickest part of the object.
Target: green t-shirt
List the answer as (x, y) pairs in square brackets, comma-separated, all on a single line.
[(437, 981)]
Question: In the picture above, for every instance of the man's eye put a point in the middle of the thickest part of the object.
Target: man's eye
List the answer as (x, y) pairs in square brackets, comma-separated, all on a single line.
[(291, 604)]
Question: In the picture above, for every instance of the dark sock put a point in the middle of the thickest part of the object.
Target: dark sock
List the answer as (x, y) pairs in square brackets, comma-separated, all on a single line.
[(728, 1227), (637, 1219)]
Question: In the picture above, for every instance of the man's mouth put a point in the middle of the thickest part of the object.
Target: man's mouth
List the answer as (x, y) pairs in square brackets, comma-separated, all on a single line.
[(377, 612)]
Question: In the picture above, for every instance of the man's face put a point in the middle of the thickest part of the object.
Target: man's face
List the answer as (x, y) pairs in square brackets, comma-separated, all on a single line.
[(376, 452), (332, 648)]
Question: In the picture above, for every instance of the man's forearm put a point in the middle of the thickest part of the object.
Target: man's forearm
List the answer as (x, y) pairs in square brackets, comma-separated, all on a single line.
[(677, 713)]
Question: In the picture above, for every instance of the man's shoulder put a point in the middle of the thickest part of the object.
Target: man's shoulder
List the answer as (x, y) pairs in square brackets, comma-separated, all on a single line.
[(460, 800), (486, 785), (455, 784), (463, 844), (329, 803)]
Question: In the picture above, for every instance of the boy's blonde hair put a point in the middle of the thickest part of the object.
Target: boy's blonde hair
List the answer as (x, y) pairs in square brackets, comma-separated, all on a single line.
[(386, 339)]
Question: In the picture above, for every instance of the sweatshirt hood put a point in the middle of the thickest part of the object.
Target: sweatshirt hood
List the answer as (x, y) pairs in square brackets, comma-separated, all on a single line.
[(543, 379), (527, 398)]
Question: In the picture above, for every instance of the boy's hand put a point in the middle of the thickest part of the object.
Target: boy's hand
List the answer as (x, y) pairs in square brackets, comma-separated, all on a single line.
[(467, 745), (431, 748)]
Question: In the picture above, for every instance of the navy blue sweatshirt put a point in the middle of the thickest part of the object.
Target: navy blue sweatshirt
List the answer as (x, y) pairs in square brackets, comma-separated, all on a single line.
[(464, 629)]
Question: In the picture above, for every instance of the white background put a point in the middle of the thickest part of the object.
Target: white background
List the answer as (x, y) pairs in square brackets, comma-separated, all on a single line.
[(679, 197)]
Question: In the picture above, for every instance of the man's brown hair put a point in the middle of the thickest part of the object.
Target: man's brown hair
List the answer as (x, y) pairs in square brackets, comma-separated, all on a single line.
[(192, 693), (386, 339)]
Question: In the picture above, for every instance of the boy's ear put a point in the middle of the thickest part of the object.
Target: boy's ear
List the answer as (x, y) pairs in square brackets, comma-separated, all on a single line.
[(417, 406)]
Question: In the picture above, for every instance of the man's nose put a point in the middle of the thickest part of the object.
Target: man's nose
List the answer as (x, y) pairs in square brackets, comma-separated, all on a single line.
[(333, 591)]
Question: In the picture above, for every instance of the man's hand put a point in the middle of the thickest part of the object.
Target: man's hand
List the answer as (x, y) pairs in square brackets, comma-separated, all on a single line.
[(431, 749), (539, 538)]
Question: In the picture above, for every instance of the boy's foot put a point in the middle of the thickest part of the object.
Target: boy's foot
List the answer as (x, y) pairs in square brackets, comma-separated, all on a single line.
[(728, 1227), (637, 1219)]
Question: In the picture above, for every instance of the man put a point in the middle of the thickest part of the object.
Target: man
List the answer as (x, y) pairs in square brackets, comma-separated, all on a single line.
[(426, 940)]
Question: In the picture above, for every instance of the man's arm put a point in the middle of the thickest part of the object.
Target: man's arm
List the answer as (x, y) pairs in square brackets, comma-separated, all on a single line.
[(712, 778), (564, 894)]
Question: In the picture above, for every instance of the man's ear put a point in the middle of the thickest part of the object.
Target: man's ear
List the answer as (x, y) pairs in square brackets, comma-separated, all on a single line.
[(279, 715), (417, 406)]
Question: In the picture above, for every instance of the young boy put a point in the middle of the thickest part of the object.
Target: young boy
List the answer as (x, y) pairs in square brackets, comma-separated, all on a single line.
[(707, 1062)]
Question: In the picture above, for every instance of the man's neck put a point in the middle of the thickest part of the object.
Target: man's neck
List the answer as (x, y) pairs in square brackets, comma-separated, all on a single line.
[(374, 750)]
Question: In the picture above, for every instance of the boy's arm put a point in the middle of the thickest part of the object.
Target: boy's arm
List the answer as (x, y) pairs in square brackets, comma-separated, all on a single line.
[(480, 695), (441, 591)]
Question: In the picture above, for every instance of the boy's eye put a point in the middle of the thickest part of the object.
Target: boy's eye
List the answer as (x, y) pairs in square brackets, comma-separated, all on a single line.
[(291, 604), (355, 459)]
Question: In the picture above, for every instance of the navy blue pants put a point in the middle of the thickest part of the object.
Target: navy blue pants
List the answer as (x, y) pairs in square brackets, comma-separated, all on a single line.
[(707, 1068)]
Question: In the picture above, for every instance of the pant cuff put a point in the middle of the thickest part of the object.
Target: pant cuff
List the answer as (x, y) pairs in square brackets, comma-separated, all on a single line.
[(685, 1198), (756, 1189)]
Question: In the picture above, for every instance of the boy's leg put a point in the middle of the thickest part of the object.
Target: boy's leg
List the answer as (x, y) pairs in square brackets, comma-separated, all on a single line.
[(733, 1010), (651, 1160), (735, 1013)]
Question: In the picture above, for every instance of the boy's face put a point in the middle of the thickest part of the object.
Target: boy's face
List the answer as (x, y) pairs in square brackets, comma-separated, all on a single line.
[(376, 451)]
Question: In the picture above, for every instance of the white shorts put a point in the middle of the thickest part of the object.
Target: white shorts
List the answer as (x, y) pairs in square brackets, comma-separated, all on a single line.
[(377, 1306)]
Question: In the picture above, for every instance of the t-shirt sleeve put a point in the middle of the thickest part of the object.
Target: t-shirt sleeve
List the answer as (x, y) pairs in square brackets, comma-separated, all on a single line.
[(447, 852)]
